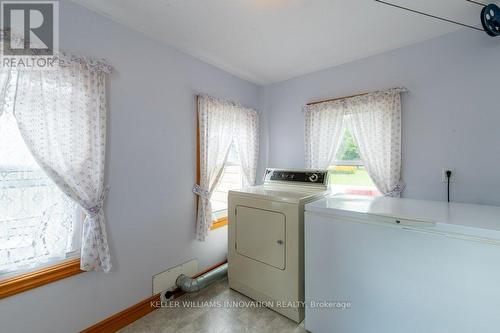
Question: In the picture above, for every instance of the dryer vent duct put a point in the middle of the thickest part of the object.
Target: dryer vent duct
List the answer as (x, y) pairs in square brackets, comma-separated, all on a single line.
[(190, 285)]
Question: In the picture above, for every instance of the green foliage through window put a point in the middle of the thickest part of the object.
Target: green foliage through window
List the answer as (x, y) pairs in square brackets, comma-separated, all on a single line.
[(348, 150)]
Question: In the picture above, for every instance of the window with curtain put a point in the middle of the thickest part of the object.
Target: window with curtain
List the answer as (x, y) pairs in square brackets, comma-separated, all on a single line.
[(39, 224), (52, 154), (228, 153), (359, 140)]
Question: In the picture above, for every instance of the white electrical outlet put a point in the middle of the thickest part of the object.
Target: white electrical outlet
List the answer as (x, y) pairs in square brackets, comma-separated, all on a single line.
[(166, 280), (452, 178)]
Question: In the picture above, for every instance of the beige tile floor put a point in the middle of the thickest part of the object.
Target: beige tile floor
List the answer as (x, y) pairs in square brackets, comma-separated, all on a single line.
[(214, 319)]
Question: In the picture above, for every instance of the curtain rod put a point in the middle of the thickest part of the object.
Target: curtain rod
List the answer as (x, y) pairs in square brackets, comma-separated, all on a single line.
[(336, 99), (352, 96), (224, 100)]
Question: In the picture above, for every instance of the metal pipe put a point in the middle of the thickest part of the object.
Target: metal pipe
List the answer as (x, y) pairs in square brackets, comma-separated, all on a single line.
[(189, 285)]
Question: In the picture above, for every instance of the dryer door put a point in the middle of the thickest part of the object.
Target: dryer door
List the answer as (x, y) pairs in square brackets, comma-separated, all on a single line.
[(260, 235)]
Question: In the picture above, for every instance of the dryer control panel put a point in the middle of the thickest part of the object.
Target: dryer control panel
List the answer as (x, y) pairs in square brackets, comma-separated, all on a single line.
[(313, 177)]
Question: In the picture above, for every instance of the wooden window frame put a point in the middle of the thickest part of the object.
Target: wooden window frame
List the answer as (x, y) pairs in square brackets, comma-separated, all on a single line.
[(219, 223), (223, 221), (26, 281)]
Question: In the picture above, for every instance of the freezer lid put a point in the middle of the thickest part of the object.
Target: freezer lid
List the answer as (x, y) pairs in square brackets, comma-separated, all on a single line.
[(465, 219)]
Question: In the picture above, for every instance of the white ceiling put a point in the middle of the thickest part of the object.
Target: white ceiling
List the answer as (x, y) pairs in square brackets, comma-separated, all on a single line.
[(266, 41)]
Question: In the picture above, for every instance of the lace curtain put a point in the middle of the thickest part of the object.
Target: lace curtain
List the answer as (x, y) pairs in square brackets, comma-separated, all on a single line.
[(246, 139), (220, 124), (61, 115), (375, 122), (38, 223), (324, 126)]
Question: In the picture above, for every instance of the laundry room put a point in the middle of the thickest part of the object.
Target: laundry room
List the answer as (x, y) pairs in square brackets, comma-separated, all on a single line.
[(249, 166)]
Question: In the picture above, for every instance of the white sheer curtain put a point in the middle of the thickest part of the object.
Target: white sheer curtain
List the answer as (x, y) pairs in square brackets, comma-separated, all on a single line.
[(5, 76), (215, 120), (374, 120), (324, 127), (246, 139), (61, 114), (220, 124), (38, 222)]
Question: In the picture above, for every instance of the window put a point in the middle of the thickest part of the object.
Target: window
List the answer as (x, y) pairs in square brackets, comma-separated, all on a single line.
[(38, 223), (348, 174), (373, 121), (60, 121), (231, 179), (228, 133)]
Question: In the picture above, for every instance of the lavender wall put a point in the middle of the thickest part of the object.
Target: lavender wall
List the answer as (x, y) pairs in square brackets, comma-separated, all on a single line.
[(151, 170), (451, 115), (450, 118)]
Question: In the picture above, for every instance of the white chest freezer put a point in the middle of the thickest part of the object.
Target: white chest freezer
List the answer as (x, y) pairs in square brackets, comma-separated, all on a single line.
[(401, 265)]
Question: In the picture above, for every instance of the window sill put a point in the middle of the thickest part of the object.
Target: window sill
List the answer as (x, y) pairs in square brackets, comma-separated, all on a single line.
[(31, 280), (219, 223)]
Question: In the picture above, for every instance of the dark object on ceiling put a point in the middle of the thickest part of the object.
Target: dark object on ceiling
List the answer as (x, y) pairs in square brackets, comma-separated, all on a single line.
[(490, 18)]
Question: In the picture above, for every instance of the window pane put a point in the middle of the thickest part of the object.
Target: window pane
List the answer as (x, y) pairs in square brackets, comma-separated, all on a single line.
[(349, 175), (37, 221), (352, 179), (348, 150), (232, 179), (232, 156)]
